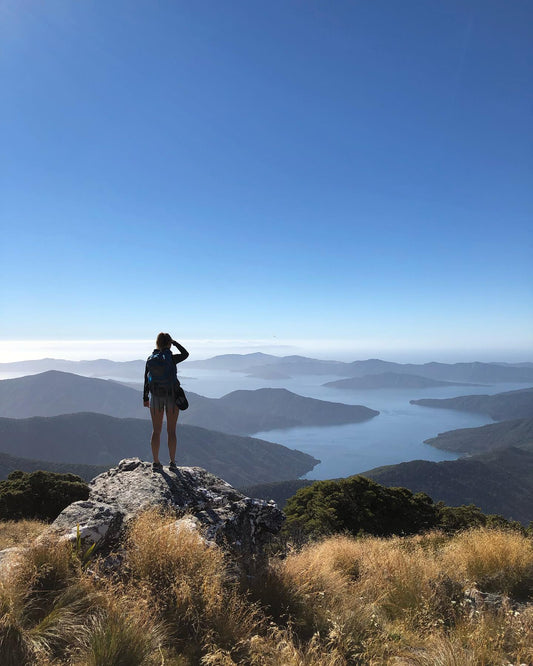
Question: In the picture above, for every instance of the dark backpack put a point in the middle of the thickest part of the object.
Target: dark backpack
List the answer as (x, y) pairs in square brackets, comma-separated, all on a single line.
[(162, 378)]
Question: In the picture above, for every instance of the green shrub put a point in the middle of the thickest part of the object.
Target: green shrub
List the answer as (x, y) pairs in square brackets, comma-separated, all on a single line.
[(358, 505), (39, 495), (453, 519)]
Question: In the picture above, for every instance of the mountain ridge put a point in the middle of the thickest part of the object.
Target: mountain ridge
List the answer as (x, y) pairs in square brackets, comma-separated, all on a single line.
[(516, 432), (53, 393), (500, 406), (391, 380), (88, 438), (269, 364), (499, 481)]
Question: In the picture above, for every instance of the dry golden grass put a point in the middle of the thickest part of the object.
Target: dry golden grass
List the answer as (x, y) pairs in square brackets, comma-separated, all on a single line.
[(18, 533), (123, 633), (195, 596), (490, 638), (338, 602), (408, 596), (45, 604), (494, 560), (279, 648)]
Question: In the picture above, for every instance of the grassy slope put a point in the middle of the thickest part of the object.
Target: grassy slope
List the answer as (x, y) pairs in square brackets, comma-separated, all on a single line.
[(338, 602)]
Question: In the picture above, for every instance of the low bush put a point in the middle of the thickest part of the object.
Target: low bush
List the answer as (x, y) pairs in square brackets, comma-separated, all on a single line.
[(453, 519), (357, 505), (39, 495)]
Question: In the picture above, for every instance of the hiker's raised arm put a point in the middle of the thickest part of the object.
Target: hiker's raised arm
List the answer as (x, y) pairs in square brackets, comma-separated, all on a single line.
[(178, 358), (146, 389)]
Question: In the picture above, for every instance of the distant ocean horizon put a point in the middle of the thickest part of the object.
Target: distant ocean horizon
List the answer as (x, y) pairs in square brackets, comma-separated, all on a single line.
[(200, 349)]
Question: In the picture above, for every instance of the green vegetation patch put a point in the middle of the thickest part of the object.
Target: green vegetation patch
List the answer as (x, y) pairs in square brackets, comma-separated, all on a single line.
[(359, 506), (39, 495)]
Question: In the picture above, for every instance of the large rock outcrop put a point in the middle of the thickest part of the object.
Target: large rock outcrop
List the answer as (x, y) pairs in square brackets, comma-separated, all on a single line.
[(222, 514)]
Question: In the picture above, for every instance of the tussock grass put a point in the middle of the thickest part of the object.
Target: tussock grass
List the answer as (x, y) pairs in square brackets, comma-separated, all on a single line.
[(338, 602), (122, 635), (17, 533), (493, 560), (492, 638), (196, 598), (280, 648), (44, 604), (374, 598), (312, 590)]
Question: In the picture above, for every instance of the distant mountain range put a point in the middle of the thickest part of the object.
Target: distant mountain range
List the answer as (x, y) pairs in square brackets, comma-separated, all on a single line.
[(501, 406), (391, 380), (53, 393), (102, 367), (235, 362), (98, 439), (259, 365), (268, 366), (9, 464)]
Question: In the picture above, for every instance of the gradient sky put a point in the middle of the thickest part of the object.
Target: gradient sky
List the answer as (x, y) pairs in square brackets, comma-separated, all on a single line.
[(351, 170)]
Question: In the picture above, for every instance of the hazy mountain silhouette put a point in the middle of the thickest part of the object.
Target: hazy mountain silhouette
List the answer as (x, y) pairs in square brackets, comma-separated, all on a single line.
[(99, 439), (53, 393), (96, 368), (233, 361), (267, 365), (501, 406), (242, 412), (391, 380), (517, 433), (10, 463), (252, 363)]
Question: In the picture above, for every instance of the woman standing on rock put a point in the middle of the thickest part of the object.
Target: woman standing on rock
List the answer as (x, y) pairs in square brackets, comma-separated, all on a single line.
[(160, 387)]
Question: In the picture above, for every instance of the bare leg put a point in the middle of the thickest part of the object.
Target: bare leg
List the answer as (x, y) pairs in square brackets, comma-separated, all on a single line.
[(172, 419), (157, 424)]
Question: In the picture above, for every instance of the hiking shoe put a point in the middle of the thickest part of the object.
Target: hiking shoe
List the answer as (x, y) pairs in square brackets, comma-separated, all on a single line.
[(172, 465), (157, 467)]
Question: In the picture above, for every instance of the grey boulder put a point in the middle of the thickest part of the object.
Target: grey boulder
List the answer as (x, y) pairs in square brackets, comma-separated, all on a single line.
[(222, 514)]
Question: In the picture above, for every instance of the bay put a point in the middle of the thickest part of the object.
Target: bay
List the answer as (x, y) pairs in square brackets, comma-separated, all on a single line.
[(396, 435)]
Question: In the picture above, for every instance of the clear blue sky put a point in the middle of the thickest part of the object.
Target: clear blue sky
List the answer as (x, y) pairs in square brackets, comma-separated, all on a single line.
[(356, 170)]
